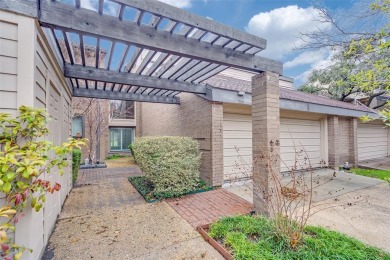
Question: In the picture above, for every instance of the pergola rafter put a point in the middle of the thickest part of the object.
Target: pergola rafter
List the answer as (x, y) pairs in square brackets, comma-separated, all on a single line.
[(143, 49), (102, 75)]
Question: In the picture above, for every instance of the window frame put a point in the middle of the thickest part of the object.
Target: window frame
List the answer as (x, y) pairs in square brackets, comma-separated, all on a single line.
[(82, 126), (121, 140)]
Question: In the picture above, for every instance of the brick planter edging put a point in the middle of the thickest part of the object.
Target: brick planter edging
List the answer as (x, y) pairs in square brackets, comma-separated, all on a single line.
[(202, 230)]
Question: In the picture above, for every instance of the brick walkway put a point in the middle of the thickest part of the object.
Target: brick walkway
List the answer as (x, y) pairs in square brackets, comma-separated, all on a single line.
[(206, 207), (101, 175)]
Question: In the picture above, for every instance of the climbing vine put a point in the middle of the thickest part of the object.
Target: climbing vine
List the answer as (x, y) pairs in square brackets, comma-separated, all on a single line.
[(24, 155)]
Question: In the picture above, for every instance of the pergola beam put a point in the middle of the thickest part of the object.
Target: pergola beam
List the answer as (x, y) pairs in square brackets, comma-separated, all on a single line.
[(193, 20), (116, 95), (56, 15), (89, 73), (26, 7)]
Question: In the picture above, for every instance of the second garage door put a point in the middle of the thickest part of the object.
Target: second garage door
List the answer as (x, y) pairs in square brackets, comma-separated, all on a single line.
[(294, 134), (372, 141)]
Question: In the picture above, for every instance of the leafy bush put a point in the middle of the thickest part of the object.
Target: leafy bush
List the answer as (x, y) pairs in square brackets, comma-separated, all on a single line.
[(24, 155), (131, 147), (170, 163), (76, 159)]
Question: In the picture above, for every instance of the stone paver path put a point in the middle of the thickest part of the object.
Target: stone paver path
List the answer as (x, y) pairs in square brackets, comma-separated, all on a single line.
[(206, 207), (105, 218)]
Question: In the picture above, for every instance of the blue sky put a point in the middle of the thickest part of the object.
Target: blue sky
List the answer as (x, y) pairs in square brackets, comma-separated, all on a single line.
[(278, 21)]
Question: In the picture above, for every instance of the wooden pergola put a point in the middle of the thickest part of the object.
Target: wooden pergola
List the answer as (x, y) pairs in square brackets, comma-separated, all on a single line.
[(152, 51)]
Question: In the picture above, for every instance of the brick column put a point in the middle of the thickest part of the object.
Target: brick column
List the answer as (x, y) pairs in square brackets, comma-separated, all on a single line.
[(265, 138), (217, 143), (138, 119), (333, 139), (353, 142)]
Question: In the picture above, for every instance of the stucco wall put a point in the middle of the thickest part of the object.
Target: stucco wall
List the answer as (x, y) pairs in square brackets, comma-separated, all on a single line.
[(30, 75), (194, 117)]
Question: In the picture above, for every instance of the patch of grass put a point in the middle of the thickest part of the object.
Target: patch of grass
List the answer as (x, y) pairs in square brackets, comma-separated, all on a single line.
[(379, 174), (248, 237), (146, 188), (115, 156), (121, 162)]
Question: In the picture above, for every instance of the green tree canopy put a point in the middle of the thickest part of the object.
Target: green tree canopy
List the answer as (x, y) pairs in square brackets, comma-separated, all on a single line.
[(361, 65)]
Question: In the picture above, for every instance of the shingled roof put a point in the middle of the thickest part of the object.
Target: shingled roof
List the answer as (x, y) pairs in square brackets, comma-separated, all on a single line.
[(229, 83)]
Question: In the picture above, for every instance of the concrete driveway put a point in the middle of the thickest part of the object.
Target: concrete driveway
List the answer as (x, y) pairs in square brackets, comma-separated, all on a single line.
[(105, 218), (367, 219), (378, 163)]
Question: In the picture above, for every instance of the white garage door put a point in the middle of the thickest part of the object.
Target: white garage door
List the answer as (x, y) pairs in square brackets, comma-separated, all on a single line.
[(294, 134), (372, 141)]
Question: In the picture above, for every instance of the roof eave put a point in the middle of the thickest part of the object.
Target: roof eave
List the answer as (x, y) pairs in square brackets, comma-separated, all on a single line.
[(230, 96)]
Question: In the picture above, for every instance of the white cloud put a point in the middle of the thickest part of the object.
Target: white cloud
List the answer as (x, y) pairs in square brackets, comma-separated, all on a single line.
[(282, 28), (178, 3), (306, 57), (88, 4), (110, 8), (325, 61)]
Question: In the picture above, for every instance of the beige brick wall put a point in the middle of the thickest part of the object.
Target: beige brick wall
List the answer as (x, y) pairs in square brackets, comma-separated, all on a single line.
[(194, 117), (342, 137), (333, 141), (265, 138), (348, 140)]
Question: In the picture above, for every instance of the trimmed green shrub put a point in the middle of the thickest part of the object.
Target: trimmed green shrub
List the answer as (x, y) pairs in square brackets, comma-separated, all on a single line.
[(76, 158), (131, 146), (170, 163)]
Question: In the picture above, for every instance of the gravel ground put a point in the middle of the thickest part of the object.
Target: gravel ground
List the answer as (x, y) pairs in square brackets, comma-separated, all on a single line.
[(111, 221)]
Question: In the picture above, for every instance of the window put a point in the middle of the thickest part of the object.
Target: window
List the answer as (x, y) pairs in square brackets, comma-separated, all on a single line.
[(78, 126), (121, 138), (122, 109)]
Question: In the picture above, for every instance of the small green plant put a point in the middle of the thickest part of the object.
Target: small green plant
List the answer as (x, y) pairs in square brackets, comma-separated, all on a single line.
[(76, 159), (24, 156), (171, 163)]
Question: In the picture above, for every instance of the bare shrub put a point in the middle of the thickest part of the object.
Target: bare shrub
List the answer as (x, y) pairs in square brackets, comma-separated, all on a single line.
[(288, 196)]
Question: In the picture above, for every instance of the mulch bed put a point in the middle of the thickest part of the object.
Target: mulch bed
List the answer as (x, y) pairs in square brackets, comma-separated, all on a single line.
[(145, 188)]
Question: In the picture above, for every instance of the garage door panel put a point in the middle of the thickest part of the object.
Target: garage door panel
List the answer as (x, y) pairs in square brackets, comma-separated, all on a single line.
[(369, 147), (232, 143), (376, 140), (300, 128), (289, 149), (299, 122), (372, 155), (241, 151), (237, 117), (242, 170), (380, 150), (237, 160), (295, 134), (299, 142), (237, 126), (237, 134), (372, 141), (292, 155)]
